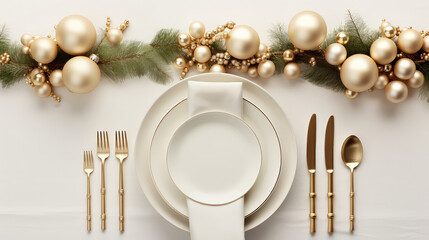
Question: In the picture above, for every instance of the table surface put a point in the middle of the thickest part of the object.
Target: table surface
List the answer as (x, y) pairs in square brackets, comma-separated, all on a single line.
[(42, 185)]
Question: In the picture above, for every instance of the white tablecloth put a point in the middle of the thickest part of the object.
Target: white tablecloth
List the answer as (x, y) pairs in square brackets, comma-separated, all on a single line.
[(42, 184)]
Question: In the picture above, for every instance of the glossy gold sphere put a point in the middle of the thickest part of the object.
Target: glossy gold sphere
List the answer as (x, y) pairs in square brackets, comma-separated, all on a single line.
[(25, 50), (389, 31), (307, 30), (262, 50), (242, 42), (404, 68), (44, 50), (266, 68), (383, 51), (180, 63), (75, 35), (184, 39), (25, 38), (115, 36), (217, 68), (335, 54), (56, 78), (382, 81), (81, 75), (252, 72), (197, 29), (44, 90), (38, 79), (410, 41), (342, 38), (202, 54), (351, 94), (292, 70), (288, 55), (426, 44), (359, 73), (417, 80), (201, 67), (396, 91)]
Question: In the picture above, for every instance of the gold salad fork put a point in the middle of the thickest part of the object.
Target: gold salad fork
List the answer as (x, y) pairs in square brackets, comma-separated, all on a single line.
[(103, 152), (121, 153), (88, 168)]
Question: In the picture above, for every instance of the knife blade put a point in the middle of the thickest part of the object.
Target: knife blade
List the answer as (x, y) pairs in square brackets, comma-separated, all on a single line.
[(329, 163), (311, 165)]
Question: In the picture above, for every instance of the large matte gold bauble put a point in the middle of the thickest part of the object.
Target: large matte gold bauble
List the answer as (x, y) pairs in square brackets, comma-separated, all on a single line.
[(410, 41), (359, 73), (114, 36), (383, 51), (197, 29), (81, 75), (202, 54), (292, 70), (217, 68), (396, 91), (184, 39), (56, 78), (404, 68), (417, 80), (382, 81), (242, 42), (43, 90), (307, 30), (426, 44), (335, 54), (266, 69), (25, 38), (43, 50), (75, 35)]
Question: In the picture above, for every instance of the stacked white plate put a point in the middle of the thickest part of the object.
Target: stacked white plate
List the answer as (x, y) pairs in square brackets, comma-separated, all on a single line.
[(260, 111)]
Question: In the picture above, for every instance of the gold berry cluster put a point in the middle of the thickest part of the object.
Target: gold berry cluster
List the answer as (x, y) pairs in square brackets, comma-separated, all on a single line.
[(4, 59), (42, 79)]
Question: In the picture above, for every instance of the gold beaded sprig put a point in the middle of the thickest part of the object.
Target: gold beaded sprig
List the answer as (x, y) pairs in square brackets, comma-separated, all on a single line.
[(38, 78), (4, 59), (115, 34)]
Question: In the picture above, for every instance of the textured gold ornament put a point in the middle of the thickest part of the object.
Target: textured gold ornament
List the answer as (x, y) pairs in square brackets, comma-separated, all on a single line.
[(404, 68), (266, 69), (292, 70), (242, 42), (342, 38), (202, 54), (81, 75), (410, 41), (184, 39), (44, 50), (335, 54), (75, 35), (426, 44), (307, 30), (201, 67), (351, 94), (359, 73), (180, 63), (288, 55), (383, 51), (56, 78), (25, 38), (252, 72), (417, 80), (396, 91), (197, 29), (382, 81), (217, 68), (43, 91)]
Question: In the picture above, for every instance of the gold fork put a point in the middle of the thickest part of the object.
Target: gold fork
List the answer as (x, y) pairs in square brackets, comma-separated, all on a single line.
[(88, 168), (121, 153), (103, 152)]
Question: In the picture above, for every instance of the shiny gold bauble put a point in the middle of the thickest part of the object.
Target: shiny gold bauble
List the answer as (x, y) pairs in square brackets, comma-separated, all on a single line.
[(217, 68), (262, 50), (383, 51), (242, 42), (426, 44), (25, 38), (75, 35), (201, 67), (410, 41), (44, 90), (307, 30), (396, 91), (56, 78), (404, 68), (417, 80), (359, 73), (44, 50), (351, 94), (252, 72), (335, 54), (288, 55), (180, 63), (202, 54), (25, 50), (38, 79), (197, 29), (184, 39), (382, 81), (114, 36), (81, 75), (342, 38), (389, 31), (266, 68), (292, 70)]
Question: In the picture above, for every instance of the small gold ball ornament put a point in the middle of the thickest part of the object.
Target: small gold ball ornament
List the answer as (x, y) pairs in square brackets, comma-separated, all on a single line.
[(25, 50), (404, 68), (115, 36), (266, 68), (81, 75), (389, 31), (44, 50), (201, 67), (288, 55), (38, 79), (262, 50), (202, 54), (410, 41), (44, 90), (184, 39), (217, 68), (252, 72), (292, 70), (342, 38), (180, 63), (75, 34), (359, 73), (396, 91), (382, 81), (426, 44), (197, 29), (307, 30), (335, 54), (351, 94), (242, 42), (56, 78), (383, 51), (25, 38), (417, 80)]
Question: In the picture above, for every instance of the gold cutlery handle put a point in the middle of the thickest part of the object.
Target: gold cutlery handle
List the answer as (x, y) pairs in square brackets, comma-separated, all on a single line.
[(312, 201), (103, 199), (88, 205), (121, 198), (352, 202), (330, 201)]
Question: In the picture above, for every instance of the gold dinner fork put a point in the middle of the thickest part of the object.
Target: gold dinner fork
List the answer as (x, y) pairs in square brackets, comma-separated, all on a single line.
[(88, 168), (103, 152), (121, 153)]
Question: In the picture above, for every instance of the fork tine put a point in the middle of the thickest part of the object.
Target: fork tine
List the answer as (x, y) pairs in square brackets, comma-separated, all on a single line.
[(91, 160), (116, 141), (84, 160), (126, 140), (98, 141), (122, 141), (107, 140)]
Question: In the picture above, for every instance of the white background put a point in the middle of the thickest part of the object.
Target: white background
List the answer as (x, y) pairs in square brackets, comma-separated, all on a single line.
[(42, 185)]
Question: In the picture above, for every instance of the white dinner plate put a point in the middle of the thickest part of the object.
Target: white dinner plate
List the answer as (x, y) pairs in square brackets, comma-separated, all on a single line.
[(254, 94)]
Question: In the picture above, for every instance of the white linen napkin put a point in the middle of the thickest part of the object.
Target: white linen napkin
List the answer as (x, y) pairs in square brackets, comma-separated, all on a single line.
[(225, 222)]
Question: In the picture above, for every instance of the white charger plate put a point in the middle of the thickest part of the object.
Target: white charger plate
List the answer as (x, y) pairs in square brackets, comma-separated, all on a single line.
[(254, 94)]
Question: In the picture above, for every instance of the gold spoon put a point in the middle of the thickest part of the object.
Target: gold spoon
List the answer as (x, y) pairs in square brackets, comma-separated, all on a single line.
[(351, 153)]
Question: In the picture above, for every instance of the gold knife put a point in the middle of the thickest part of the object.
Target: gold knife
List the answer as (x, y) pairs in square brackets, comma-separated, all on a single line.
[(311, 165), (329, 162)]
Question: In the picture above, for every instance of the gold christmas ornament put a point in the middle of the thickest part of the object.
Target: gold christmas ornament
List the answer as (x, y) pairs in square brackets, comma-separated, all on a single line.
[(56, 78), (75, 35), (335, 54), (197, 29), (410, 41), (44, 50), (262, 50), (389, 31), (115, 35), (38, 79), (307, 30), (217, 68), (266, 69), (383, 51), (25, 38), (359, 73), (404, 68), (180, 63), (417, 80), (81, 75), (252, 72), (292, 70), (242, 42), (382, 81), (396, 91), (202, 54), (288, 55), (25, 50), (184, 39), (43, 91), (201, 67), (342, 38), (351, 94), (426, 44)]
